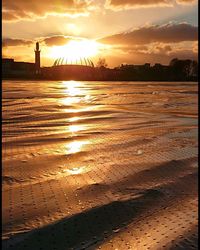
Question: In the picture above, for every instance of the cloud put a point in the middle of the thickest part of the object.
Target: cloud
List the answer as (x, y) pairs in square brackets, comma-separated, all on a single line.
[(164, 49), (30, 9), (149, 55), (16, 42), (155, 49), (153, 43), (186, 1), (195, 47), (56, 40), (167, 33), (59, 40), (183, 54), (132, 4), (23, 9)]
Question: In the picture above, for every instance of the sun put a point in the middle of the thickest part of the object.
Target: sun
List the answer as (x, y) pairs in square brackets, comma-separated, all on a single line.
[(75, 50)]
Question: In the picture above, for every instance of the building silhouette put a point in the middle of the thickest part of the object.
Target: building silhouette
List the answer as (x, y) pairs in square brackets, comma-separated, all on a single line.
[(37, 59), (65, 68), (12, 69), (70, 69)]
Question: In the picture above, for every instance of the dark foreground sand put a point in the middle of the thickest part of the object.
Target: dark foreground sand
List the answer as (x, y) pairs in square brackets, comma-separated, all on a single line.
[(94, 165)]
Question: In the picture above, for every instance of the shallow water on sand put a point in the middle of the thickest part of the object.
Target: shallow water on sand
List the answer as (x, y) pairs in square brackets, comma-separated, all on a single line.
[(119, 157)]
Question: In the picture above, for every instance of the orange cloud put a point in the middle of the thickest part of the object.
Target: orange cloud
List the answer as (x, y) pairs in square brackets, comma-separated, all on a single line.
[(155, 43), (186, 1), (16, 42), (23, 9), (58, 40), (131, 4), (167, 33), (195, 47)]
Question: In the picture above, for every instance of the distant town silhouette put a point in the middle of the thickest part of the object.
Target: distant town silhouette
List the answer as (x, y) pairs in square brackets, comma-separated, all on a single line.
[(84, 69)]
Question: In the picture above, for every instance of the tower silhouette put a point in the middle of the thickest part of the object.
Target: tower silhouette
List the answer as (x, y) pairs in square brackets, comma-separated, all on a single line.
[(37, 58)]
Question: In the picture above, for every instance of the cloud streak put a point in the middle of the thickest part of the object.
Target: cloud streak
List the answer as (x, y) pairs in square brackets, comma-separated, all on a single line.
[(133, 4), (7, 42), (56, 40), (167, 33), (154, 43), (23, 9)]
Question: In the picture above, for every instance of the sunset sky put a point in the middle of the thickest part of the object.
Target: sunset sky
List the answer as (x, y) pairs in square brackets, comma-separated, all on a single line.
[(121, 31)]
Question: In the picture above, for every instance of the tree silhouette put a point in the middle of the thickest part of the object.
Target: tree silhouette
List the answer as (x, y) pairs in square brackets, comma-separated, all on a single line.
[(102, 63), (184, 68)]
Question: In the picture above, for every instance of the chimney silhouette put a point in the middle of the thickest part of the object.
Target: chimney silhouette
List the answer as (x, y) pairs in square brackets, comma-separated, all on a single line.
[(37, 58)]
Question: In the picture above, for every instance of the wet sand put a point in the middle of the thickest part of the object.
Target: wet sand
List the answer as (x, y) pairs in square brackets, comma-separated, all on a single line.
[(99, 165)]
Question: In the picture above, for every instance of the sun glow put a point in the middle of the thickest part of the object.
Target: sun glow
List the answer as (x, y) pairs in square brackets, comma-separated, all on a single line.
[(74, 50)]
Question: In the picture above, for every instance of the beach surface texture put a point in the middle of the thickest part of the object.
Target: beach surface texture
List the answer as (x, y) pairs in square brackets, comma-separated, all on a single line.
[(99, 165)]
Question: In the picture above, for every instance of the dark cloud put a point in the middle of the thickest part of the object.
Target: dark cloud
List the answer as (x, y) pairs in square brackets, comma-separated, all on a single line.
[(153, 44), (9, 16), (58, 40), (20, 9), (16, 42), (128, 4), (168, 33)]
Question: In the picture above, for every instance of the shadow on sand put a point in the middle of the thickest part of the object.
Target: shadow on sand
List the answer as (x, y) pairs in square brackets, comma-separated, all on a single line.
[(90, 228), (86, 229)]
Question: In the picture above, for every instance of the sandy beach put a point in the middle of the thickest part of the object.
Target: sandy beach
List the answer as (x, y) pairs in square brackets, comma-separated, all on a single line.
[(99, 165)]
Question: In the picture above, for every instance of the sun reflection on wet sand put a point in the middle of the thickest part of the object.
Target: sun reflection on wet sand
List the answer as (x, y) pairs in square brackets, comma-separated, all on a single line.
[(74, 119), (75, 96), (73, 88), (82, 109), (77, 170), (75, 147), (75, 128), (70, 100), (72, 171)]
